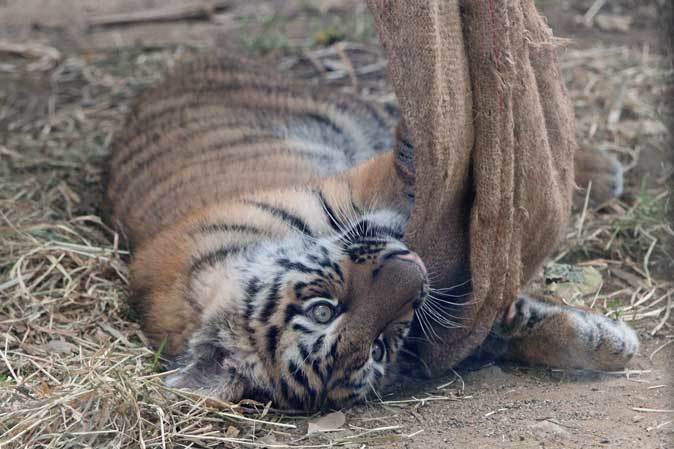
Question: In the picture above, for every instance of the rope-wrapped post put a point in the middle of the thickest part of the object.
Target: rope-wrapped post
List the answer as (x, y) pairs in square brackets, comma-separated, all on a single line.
[(485, 110)]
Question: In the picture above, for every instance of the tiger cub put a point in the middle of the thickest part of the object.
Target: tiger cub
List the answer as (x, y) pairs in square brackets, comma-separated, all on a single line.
[(267, 223)]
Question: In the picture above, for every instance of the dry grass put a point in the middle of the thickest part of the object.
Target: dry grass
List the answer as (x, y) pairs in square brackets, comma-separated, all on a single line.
[(75, 371), (620, 97)]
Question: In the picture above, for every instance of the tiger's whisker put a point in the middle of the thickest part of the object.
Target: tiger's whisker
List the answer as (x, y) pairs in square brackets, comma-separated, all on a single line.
[(448, 295), (438, 308), (440, 318), (445, 301), (374, 390), (452, 287)]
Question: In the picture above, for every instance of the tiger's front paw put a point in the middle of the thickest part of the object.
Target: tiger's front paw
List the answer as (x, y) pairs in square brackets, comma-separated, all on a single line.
[(599, 172)]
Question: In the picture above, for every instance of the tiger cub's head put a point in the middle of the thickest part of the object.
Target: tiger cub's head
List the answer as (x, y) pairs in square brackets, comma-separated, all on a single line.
[(308, 322)]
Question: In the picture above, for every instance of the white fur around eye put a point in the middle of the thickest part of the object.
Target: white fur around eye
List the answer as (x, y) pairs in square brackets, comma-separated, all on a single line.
[(313, 301)]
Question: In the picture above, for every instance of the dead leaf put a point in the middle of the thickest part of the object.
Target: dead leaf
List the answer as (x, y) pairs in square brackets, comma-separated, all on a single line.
[(60, 346), (629, 129), (328, 423), (633, 129), (267, 441), (232, 432), (546, 430), (653, 127), (44, 389), (572, 283)]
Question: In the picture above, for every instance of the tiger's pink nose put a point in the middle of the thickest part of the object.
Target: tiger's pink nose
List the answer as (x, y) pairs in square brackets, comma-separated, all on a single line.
[(382, 292), (414, 258)]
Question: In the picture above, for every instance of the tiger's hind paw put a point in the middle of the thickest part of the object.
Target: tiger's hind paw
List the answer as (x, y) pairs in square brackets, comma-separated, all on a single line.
[(611, 343), (522, 314), (547, 333)]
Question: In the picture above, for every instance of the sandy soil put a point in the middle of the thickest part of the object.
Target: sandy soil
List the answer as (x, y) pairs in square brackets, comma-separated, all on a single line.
[(499, 406), (514, 407)]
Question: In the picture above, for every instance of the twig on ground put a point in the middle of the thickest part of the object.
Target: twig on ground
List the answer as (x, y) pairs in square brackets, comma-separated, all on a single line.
[(189, 11), (47, 57), (592, 11)]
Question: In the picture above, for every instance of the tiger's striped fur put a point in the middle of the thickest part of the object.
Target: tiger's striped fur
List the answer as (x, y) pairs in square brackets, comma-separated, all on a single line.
[(256, 206), (219, 129)]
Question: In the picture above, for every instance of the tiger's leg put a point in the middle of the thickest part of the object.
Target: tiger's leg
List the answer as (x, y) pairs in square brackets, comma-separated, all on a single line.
[(599, 172), (543, 332), (374, 184)]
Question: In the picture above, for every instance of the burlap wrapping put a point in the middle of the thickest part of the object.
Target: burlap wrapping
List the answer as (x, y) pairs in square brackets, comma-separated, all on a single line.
[(493, 135)]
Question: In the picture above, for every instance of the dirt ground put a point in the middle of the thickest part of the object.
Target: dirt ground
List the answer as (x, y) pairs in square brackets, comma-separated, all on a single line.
[(62, 100)]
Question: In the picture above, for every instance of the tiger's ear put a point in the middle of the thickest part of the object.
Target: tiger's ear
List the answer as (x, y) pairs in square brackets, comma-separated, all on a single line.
[(209, 368)]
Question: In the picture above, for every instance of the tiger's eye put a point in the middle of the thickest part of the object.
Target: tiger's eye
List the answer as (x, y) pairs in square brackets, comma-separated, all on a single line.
[(378, 351), (323, 313)]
